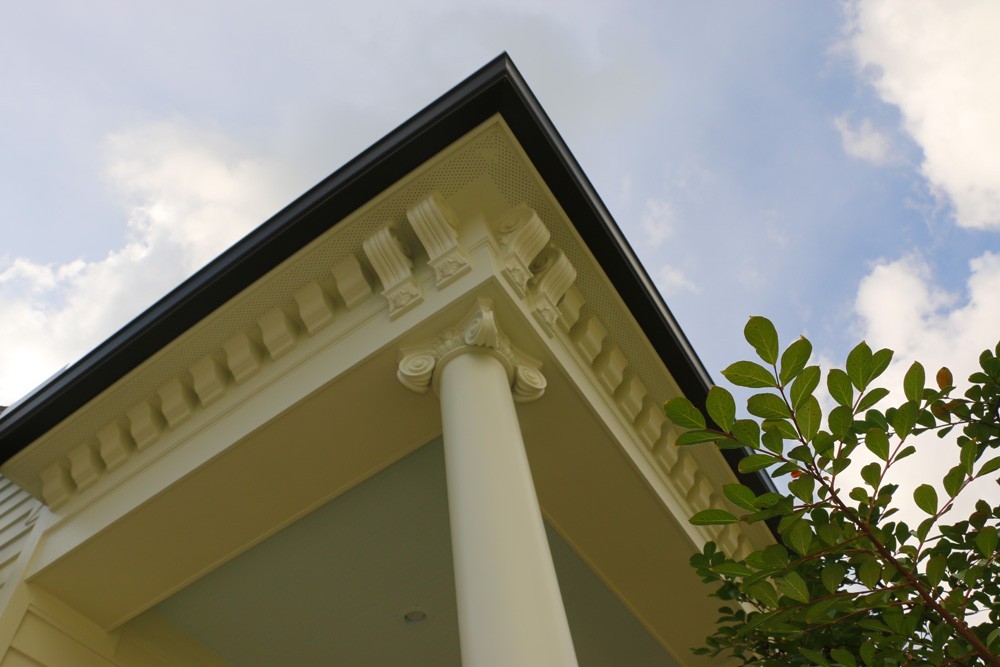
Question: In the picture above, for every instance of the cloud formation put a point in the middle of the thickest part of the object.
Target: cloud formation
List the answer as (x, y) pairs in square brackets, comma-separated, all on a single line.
[(902, 307), (187, 195), (937, 62), (863, 141), (671, 281), (657, 220)]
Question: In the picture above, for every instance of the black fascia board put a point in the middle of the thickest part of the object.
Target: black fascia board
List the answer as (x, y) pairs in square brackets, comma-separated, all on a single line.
[(495, 88)]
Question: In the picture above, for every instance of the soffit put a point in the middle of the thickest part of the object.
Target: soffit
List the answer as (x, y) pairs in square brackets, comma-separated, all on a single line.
[(333, 588)]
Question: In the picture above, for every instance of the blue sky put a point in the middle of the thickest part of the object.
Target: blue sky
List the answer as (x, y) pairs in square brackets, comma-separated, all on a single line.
[(834, 166)]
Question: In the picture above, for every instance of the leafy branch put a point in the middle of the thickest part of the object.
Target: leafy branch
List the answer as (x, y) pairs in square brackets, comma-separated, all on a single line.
[(846, 585)]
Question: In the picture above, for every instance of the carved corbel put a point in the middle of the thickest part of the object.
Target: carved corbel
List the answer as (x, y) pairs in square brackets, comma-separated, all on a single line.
[(392, 264), (146, 423), (114, 444), (522, 235), (419, 366), (57, 485), (315, 309), (350, 280), (435, 226), (552, 276), (85, 465)]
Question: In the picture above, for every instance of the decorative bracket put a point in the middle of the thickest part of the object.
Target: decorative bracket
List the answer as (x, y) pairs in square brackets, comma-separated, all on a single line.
[(391, 261), (420, 366), (552, 276), (434, 224), (522, 235)]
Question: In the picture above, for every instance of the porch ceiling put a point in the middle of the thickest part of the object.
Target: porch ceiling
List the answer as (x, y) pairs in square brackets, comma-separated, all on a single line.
[(333, 588)]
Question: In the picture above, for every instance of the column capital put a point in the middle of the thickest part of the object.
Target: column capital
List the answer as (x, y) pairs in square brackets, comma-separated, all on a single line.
[(478, 332)]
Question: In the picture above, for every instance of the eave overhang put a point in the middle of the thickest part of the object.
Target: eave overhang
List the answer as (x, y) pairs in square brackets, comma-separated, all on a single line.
[(497, 88)]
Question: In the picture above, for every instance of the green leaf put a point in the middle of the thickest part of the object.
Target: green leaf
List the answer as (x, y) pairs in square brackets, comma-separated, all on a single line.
[(747, 432), (765, 500), (820, 611), (823, 443), (740, 495), (871, 473), (782, 426), (859, 494), (953, 481), (768, 406), (840, 420), (859, 364), (773, 442), (843, 657), (905, 418), (880, 361), (815, 657), (697, 437), (839, 385), (732, 569), (761, 334), (809, 417), (764, 592), (682, 412), (803, 387), (871, 398), (986, 541), (913, 382), (775, 555), (990, 466), (924, 528), (713, 517), (935, 568), (869, 572), (794, 586), (872, 624), (756, 462), (877, 443), (833, 576), (867, 651), (926, 498), (800, 537), (721, 408), (968, 456), (802, 488), (794, 359), (749, 374)]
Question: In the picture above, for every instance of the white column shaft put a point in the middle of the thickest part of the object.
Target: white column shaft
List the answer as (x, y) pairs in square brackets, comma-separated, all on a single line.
[(510, 610)]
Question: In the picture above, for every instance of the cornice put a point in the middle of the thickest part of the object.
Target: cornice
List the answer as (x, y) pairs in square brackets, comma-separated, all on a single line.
[(414, 229)]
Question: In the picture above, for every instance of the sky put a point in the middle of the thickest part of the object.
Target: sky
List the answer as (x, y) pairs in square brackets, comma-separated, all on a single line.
[(833, 166)]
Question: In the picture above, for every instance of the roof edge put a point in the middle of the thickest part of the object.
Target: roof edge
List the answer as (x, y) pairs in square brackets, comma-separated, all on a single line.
[(497, 87)]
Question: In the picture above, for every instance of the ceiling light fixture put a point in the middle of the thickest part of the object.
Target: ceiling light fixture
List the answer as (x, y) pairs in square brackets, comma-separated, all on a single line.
[(414, 617)]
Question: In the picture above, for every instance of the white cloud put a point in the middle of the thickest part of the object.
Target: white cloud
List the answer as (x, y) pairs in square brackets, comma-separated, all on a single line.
[(902, 308), (863, 141), (938, 62), (671, 281), (187, 196), (657, 221)]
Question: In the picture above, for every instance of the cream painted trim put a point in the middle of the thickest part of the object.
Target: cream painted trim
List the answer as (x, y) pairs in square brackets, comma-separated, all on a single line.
[(581, 323)]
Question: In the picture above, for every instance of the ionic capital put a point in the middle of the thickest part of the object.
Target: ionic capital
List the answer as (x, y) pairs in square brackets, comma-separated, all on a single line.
[(420, 366)]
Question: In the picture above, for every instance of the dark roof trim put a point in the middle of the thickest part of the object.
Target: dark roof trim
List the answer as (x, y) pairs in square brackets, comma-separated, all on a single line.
[(497, 87)]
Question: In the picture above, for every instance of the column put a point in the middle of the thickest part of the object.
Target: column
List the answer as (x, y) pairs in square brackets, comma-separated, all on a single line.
[(510, 610)]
